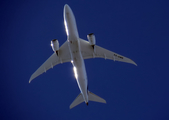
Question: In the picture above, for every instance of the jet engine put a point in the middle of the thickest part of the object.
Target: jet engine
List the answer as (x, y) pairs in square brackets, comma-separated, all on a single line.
[(55, 45), (91, 39)]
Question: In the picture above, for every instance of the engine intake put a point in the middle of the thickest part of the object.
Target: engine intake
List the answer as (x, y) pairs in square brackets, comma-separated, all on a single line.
[(55, 45), (92, 40)]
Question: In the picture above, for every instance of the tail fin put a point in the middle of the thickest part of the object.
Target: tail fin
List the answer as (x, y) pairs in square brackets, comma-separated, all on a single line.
[(79, 99), (91, 97), (95, 98)]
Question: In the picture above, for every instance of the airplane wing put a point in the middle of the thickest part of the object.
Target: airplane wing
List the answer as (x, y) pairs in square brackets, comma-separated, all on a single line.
[(64, 56), (99, 52)]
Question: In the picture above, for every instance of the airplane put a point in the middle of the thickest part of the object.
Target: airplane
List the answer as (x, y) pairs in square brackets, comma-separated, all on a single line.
[(75, 50)]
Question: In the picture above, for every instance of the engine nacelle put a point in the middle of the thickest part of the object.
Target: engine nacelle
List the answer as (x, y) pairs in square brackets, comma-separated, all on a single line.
[(55, 45), (91, 38)]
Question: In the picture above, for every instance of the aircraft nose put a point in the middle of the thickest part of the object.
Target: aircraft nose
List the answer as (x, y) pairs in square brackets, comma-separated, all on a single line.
[(66, 8), (66, 5)]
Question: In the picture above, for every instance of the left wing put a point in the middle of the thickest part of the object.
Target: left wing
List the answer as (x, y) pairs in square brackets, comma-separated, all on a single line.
[(99, 52), (64, 56)]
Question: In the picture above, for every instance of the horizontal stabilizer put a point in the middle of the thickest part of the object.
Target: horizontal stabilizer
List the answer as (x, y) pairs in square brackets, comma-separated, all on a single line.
[(95, 98), (79, 99)]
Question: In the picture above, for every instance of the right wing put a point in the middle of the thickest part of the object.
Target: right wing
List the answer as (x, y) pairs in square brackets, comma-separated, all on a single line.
[(99, 52), (64, 56)]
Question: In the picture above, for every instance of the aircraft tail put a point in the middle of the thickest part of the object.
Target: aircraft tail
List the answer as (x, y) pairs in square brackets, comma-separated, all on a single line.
[(95, 98), (79, 99), (91, 97)]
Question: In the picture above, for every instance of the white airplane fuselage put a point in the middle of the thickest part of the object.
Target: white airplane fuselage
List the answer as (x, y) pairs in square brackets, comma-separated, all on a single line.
[(75, 51)]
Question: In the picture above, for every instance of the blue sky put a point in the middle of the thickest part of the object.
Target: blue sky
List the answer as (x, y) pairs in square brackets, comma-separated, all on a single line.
[(136, 29)]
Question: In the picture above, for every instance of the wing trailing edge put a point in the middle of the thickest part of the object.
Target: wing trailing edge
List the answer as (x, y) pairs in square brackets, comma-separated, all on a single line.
[(99, 52)]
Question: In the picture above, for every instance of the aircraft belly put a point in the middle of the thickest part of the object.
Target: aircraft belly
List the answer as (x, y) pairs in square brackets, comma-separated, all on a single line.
[(78, 63), (75, 50), (82, 80)]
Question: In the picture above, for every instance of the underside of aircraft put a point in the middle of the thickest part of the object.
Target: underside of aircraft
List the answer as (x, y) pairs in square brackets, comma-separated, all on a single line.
[(75, 50)]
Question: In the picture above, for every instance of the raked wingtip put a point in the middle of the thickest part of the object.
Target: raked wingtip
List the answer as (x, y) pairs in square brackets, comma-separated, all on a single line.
[(135, 63), (30, 80)]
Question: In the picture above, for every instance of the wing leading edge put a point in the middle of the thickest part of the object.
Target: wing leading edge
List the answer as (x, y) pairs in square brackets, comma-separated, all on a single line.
[(99, 52), (64, 56)]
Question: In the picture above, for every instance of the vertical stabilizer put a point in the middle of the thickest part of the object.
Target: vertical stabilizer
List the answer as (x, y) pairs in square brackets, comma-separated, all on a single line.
[(95, 98), (79, 99)]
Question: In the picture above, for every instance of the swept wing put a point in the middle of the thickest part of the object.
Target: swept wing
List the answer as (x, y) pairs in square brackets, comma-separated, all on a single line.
[(64, 56), (99, 52)]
